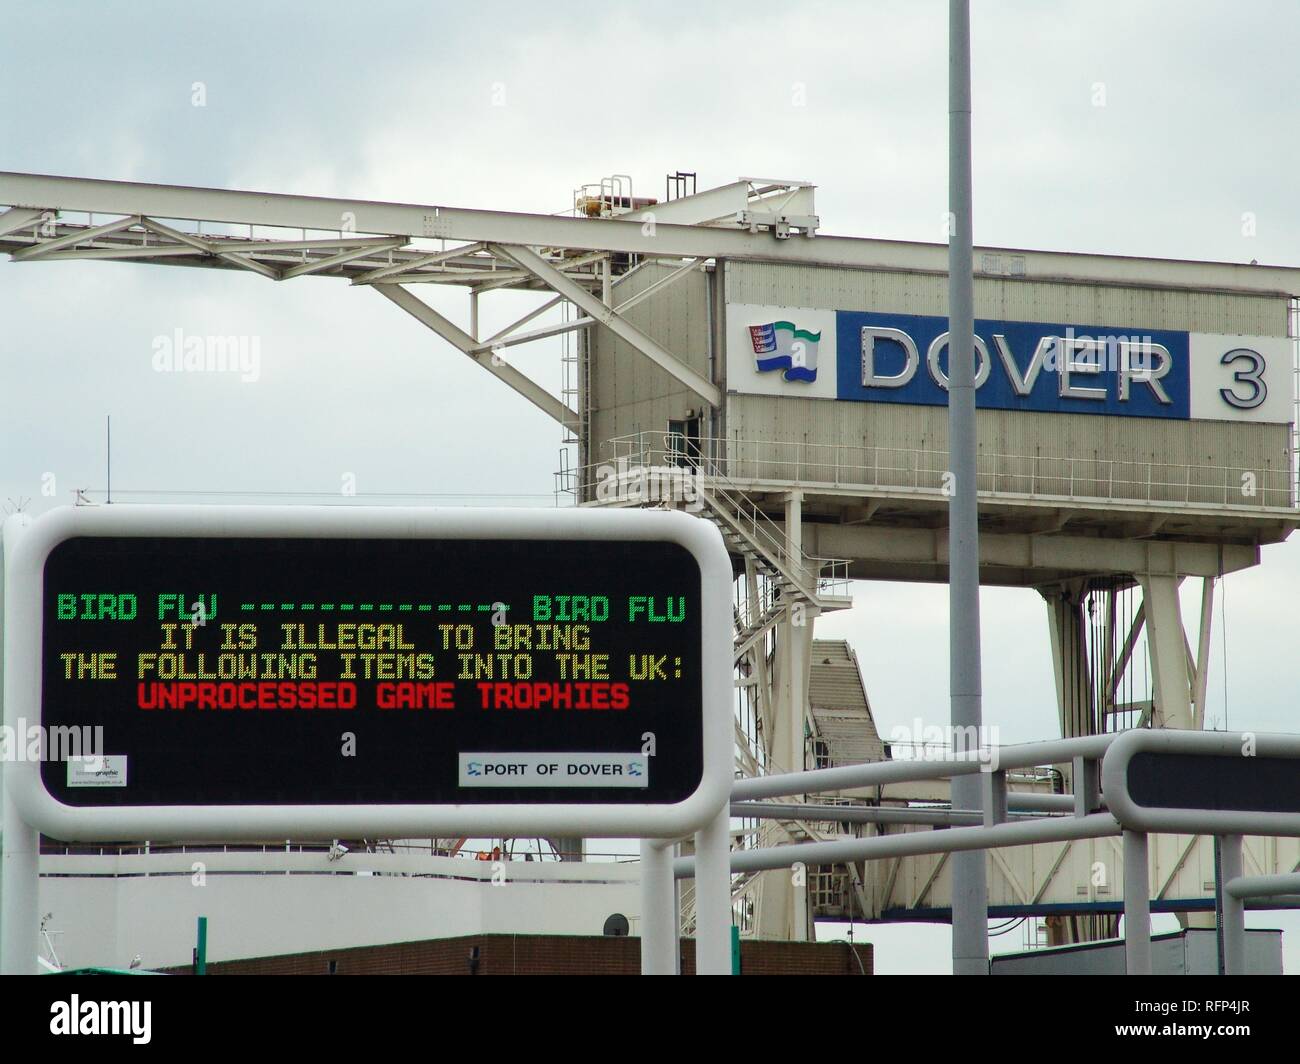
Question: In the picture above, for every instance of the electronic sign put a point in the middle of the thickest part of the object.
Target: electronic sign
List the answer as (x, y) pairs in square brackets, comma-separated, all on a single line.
[(332, 672), (1196, 782)]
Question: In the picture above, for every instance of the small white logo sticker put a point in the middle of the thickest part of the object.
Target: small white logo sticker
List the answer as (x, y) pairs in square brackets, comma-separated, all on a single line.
[(554, 770), (106, 771)]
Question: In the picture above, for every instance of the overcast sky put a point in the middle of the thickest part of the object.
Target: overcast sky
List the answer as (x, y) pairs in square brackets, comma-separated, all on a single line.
[(1140, 129)]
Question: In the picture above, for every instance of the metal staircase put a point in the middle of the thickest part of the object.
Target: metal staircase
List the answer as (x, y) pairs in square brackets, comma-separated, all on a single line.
[(687, 479), (791, 576), (783, 579)]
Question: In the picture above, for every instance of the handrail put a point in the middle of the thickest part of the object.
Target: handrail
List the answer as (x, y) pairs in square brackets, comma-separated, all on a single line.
[(815, 577), (923, 469), (312, 848)]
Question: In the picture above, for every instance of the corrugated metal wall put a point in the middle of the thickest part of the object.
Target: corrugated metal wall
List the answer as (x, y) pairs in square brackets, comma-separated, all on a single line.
[(1055, 454), (833, 288), (629, 393)]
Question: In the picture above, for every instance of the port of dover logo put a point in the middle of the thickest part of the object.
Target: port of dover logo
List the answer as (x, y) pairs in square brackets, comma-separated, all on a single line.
[(781, 345)]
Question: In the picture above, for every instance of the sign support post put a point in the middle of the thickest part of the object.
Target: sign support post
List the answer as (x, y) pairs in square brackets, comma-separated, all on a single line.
[(1233, 908), (19, 891), (970, 925), (1137, 905), (713, 896), (19, 866), (19, 895), (659, 913)]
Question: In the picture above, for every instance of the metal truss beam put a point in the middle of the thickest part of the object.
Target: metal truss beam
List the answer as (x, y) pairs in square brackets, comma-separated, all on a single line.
[(1177, 867), (619, 326), (134, 244), (929, 882), (565, 266), (455, 274), (375, 243), (208, 247), (534, 334), (536, 312), (711, 205), (1051, 872), (18, 218), (1201, 679), (349, 255), (46, 193), (466, 344), (744, 756), (72, 239), (1018, 890), (415, 264), (607, 234), (1125, 654), (660, 285)]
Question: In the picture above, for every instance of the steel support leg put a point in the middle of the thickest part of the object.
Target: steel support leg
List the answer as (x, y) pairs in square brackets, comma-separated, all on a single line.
[(1234, 909), (1137, 905), (713, 896), (659, 915), (19, 863)]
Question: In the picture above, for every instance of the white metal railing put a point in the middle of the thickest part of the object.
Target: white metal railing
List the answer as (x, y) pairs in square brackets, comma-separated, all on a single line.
[(472, 858), (756, 611), (1293, 329), (926, 470), (827, 576), (675, 475)]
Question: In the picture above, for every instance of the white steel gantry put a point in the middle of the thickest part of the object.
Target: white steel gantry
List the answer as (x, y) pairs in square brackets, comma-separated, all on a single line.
[(789, 569)]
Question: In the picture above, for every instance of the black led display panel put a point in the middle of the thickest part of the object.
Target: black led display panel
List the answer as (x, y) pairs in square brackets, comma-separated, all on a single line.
[(262, 671), (1224, 783)]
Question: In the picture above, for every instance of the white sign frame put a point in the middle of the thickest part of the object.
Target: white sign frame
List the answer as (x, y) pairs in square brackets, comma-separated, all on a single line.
[(1172, 820), (24, 579)]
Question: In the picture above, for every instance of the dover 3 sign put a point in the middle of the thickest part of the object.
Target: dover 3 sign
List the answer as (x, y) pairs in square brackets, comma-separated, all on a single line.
[(1034, 366), (326, 673)]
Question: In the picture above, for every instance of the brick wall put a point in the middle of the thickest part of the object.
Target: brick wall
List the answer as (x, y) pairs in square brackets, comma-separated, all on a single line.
[(541, 955)]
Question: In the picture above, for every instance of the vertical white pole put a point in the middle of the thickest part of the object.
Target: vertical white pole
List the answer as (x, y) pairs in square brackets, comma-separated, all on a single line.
[(796, 643), (19, 934), (713, 896), (1137, 905), (1234, 909), (19, 871), (674, 853), (970, 923), (658, 908)]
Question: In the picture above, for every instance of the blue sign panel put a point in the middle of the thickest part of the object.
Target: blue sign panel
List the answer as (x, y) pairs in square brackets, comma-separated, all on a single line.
[(903, 358)]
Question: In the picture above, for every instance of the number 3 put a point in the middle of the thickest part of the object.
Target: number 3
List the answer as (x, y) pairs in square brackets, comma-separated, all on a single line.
[(1253, 377)]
